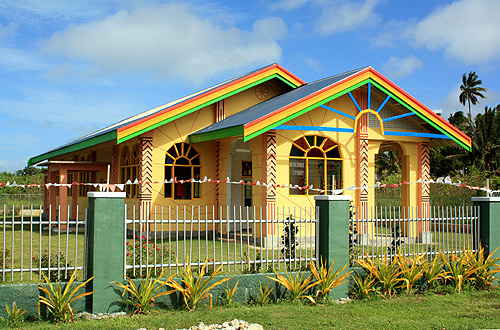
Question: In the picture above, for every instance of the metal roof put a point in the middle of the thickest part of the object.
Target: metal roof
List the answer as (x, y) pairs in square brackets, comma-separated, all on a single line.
[(278, 102)]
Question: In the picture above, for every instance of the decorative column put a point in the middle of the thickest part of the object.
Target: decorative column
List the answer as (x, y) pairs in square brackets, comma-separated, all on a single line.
[(362, 153), (145, 175), (424, 169), (423, 191), (271, 181), (115, 161)]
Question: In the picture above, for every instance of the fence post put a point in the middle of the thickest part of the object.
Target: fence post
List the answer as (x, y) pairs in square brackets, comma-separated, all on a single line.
[(333, 234), (489, 223), (105, 244)]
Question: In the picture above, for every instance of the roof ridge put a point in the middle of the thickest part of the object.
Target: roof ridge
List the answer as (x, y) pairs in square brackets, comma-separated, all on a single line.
[(340, 74)]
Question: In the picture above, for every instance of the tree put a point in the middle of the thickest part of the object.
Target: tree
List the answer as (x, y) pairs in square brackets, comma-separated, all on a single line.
[(471, 90), (487, 138)]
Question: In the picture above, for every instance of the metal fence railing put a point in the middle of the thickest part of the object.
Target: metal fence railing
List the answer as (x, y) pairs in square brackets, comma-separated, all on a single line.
[(390, 231), (31, 245), (239, 239)]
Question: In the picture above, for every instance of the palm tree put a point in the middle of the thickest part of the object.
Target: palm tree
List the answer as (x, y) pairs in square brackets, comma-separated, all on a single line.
[(471, 90)]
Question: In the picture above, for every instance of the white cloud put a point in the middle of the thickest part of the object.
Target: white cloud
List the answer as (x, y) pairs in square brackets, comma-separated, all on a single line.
[(396, 67), (287, 5), (60, 10), (465, 29), (7, 31), (171, 41), (346, 16), (18, 60)]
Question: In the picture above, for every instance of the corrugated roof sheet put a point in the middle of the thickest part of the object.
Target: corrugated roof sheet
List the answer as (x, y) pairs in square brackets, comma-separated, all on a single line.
[(278, 102)]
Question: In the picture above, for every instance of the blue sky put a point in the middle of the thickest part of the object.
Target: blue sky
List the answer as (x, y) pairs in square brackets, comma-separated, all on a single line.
[(71, 67)]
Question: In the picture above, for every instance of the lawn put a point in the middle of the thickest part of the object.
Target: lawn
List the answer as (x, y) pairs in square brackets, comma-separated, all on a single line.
[(469, 310)]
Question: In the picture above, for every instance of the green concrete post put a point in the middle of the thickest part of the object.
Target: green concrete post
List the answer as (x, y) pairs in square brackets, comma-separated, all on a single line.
[(489, 223), (333, 234), (105, 249)]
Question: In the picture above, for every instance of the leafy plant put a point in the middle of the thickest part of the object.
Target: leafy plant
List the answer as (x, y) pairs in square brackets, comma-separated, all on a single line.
[(413, 270), (289, 239), (386, 272), (142, 298), (229, 293), (59, 300), (363, 286), (264, 294), (15, 315), (485, 268), (328, 279), (460, 269), (433, 271), (297, 286), (195, 289)]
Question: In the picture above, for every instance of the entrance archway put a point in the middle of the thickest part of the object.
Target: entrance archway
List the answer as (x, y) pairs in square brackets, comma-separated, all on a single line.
[(391, 166)]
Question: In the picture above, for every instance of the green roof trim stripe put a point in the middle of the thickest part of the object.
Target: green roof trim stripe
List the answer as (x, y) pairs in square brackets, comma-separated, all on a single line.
[(301, 112), (219, 134), (166, 121), (419, 114), (74, 147)]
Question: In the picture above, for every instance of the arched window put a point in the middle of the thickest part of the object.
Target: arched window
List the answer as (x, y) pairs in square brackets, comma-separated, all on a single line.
[(312, 160), (129, 169), (182, 161)]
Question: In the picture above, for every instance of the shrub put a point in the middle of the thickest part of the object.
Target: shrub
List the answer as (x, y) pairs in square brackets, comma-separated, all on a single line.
[(327, 279), (289, 239), (142, 298), (15, 315), (59, 300), (297, 286), (195, 290)]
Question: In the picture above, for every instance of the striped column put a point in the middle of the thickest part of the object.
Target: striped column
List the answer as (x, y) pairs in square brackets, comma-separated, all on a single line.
[(362, 153), (145, 176), (115, 160), (217, 176), (424, 169), (271, 180)]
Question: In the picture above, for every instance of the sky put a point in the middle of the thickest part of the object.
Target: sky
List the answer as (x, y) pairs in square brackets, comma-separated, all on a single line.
[(69, 67)]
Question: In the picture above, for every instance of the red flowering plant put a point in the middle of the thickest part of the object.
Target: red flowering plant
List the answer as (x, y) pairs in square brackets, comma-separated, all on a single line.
[(147, 257)]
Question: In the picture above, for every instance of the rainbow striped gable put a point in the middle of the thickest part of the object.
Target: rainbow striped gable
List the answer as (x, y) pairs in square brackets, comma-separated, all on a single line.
[(362, 77), (205, 98)]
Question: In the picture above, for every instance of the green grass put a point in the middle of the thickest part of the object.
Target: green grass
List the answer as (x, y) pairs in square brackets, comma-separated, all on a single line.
[(470, 310)]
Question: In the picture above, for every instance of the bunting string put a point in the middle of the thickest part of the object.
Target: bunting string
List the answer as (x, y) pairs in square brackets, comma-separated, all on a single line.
[(115, 186)]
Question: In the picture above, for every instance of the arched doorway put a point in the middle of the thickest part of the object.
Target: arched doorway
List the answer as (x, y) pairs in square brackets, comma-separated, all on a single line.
[(391, 167)]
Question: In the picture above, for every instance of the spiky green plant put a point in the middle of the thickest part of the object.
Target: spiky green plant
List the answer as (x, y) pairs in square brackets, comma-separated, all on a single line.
[(459, 269), (386, 272), (229, 293), (433, 271), (413, 270), (328, 279), (15, 315), (264, 293), (486, 268), (363, 286), (195, 289), (58, 300), (297, 286), (142, 298)]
